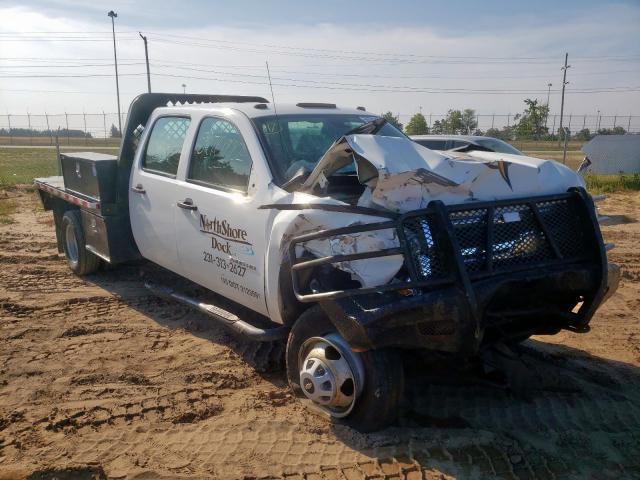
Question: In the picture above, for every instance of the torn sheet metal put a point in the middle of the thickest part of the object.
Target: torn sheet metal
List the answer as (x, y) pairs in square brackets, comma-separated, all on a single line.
[(369, 272)]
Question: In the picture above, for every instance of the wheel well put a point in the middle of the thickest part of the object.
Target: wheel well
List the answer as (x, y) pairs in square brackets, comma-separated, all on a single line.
[(290, 306), (59, 208), (326, 276)]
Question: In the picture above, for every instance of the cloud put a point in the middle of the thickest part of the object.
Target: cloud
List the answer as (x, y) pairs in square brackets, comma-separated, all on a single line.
[(330, 54)]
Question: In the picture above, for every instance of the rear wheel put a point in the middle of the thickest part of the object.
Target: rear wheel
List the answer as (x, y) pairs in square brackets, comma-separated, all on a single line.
[(362, 390), (80, 260)]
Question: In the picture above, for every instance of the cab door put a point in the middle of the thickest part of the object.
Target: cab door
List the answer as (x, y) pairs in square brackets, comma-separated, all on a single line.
[(220, 232), (154, 191)]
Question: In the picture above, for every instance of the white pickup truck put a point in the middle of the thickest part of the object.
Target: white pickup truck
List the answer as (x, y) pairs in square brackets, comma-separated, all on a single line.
[(348, 240)]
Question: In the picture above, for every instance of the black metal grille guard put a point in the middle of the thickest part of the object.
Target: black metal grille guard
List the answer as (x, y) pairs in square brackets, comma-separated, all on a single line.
[(446, 242)]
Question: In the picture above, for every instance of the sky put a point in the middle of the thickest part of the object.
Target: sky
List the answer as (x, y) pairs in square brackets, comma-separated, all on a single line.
[(403, 56)]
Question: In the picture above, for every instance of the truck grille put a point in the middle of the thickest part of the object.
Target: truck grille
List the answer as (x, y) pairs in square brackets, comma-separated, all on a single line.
[(503, 237)]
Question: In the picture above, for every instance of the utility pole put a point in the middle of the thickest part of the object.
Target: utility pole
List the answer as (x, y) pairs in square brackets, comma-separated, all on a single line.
[(29, 120), (546, 118), (146, 56), (184, 88), (113, 15), (564, 83)]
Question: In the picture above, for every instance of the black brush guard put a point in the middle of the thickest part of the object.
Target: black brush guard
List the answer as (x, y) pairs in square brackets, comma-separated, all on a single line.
[(462, 263)]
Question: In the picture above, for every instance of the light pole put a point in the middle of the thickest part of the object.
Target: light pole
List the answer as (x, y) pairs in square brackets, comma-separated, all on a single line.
[(184, 88), (146, 56), (546, 118), (113, 15)]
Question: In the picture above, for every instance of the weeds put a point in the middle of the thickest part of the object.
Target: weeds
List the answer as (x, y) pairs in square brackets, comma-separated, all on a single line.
[(612, 183), (8, 206)]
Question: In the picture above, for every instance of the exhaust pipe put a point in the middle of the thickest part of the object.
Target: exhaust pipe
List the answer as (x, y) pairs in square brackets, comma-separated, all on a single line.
[(225, 318)]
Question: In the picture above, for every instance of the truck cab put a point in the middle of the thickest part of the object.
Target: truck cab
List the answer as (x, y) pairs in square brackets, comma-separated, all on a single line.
[(351, 241)]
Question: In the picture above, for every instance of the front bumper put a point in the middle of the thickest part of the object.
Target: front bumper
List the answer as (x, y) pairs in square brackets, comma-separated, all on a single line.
[(513, 307), (473, 276)]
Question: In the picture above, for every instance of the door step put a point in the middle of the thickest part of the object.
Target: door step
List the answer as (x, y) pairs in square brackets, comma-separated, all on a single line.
[(222, 316)]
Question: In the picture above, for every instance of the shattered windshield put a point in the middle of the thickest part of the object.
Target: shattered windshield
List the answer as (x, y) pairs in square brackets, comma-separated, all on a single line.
[(296, 143)]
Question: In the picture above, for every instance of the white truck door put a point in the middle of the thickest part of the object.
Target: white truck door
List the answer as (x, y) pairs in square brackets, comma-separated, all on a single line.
[(154, 192), (220, 232)]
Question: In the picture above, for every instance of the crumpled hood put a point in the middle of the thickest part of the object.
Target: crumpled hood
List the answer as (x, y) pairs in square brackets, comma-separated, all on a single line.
[(402, 175)]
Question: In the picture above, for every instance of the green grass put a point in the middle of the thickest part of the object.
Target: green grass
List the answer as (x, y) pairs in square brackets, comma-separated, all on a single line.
[(539, 145), (22, 165), (7, 207), (612, 183), (64, 141)]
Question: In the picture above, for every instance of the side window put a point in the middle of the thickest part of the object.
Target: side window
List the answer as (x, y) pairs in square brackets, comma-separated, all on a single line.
[(220, 157), (162, 154)]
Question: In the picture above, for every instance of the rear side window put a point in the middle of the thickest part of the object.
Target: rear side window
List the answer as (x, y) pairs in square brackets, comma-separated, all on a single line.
[(220, 157), (162, 154), (432, 144)]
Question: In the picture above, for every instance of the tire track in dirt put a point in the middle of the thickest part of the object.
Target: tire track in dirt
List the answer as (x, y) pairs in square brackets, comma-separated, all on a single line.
[(38, 279), (99, 378)]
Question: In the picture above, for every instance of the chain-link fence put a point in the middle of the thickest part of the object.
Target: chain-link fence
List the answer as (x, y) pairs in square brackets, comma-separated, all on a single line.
[(102, 128), (70, 128)]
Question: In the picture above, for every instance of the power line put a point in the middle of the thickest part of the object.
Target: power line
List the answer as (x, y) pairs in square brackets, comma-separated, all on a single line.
[(497, 74), (87, 75), (91, 35), (326, 84), (78, 65)]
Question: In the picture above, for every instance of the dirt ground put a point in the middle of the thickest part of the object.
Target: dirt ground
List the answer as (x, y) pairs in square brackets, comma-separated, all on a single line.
[(99, 379)]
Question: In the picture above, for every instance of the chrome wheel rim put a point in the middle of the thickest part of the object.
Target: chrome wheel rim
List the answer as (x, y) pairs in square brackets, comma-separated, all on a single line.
[(72, 245), (331, 374)]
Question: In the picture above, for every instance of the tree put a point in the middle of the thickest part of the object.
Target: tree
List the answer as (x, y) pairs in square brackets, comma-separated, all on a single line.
[(530, 123), (392, 120), (115, 133), (453, 122), (417, 125), (612, 131), (438, 127), (504, 134), (583, 134), (469, 122)]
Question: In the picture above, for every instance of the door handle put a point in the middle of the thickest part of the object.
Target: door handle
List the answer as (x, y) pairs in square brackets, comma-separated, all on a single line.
[(187, 204), (138, 189)]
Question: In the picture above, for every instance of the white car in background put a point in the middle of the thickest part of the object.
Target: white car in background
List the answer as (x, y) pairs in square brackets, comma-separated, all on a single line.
[(465, 143)]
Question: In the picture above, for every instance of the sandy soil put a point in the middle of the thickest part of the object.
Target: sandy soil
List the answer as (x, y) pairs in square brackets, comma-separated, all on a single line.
[(99, 379)]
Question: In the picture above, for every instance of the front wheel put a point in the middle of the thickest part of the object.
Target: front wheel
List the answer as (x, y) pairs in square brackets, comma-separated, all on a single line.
[(362, 390)]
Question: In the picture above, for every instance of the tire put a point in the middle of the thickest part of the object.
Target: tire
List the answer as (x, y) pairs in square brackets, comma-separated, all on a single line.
[(80, 260), (377, 404)]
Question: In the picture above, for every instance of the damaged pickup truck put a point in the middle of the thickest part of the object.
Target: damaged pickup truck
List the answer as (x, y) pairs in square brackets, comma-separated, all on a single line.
[(348, 240)]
